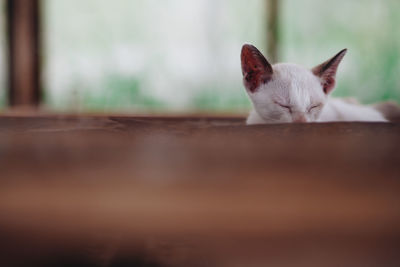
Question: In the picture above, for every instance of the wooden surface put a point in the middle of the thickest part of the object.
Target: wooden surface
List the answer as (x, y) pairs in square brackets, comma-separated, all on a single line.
[(137, 191), (23, 28), (273, 24)]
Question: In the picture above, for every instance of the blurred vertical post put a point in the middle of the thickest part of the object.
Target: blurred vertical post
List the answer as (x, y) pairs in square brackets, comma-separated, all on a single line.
[(273, 30), (23, 21)]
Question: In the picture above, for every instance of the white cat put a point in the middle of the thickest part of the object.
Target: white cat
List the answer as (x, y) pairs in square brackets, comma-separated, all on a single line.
[(285, 92)]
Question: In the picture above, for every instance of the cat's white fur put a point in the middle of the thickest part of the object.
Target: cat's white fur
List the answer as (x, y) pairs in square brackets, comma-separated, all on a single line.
[(300, 89)]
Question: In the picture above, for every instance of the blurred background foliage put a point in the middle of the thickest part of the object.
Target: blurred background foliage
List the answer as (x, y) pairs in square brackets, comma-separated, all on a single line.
[(312, 29), (148, 56)]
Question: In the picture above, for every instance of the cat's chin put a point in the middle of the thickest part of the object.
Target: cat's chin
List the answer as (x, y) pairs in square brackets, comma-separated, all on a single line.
[(254, 118)]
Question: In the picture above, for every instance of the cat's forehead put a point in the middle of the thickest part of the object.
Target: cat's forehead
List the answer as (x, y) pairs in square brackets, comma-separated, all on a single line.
[(296, 84), (294, 74)]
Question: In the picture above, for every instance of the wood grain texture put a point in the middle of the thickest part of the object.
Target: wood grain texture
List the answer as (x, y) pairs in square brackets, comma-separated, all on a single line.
[(273, 26), (23, 27), (179, 191)]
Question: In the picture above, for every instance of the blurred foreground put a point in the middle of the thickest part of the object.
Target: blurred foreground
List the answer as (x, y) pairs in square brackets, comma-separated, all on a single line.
[(124, 191)]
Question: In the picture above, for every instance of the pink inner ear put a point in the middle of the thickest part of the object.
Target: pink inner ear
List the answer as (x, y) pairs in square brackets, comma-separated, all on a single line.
[(327, 71), (256, 69), (328, 85)]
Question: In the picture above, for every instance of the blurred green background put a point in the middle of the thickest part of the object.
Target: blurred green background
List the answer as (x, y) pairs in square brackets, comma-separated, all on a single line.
[(148, 56)]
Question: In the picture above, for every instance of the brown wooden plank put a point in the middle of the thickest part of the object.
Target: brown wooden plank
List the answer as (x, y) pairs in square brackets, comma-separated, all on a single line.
[(24, 52), (198, 192)]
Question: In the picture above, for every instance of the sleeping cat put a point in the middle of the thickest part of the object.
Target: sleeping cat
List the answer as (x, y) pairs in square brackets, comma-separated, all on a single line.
[(285, 92)]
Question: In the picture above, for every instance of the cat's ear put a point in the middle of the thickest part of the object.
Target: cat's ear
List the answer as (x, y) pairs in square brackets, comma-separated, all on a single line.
[(255, 68), (327, 71)]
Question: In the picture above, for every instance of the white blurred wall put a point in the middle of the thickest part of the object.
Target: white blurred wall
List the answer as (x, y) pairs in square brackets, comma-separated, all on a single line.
[(176, 49)]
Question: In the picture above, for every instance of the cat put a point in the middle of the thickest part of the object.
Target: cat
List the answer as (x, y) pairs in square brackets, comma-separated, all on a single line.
[(285, 92)]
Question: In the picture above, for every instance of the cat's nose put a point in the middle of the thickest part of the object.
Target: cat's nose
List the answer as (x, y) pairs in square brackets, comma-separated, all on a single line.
[(299, 118)]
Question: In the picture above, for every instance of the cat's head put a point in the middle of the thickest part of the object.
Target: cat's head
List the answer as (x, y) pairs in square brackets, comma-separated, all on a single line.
[(287, 92)]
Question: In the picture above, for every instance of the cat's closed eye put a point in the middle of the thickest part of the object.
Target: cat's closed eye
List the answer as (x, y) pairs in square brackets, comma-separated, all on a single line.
[(314, 107), (289, 108)]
